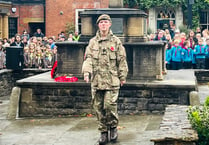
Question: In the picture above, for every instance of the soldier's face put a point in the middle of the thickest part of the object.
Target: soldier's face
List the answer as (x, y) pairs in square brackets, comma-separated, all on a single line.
[(104, 25)]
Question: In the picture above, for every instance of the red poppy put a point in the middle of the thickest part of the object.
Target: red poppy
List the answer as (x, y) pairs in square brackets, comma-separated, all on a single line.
[(112, 48), (66, 79)]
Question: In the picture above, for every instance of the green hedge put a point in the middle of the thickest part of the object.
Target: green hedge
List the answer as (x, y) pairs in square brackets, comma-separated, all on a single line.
[(199, 118)]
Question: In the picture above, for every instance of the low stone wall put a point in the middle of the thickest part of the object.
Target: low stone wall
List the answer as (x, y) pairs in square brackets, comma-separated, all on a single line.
[(175, 128), (202, 76), (8, 79), (41, 96)]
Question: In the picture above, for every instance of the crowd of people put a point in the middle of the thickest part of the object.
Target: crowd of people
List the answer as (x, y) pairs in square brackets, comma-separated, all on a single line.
[(184, 51), (39, 51)]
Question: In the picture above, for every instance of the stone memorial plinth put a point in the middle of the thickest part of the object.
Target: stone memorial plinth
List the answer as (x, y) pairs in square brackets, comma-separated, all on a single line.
[(128, 24), (144, 59), (70, 58)]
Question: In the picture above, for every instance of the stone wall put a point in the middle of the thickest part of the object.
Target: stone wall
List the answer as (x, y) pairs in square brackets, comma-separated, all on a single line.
[(66, 99), (202, 76), (175, 128), (8, 79)]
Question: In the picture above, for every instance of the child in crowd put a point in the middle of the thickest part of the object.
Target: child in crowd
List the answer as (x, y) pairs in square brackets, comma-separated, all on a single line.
[(168, 56), (39, 59), (26, 56), (176, 55), (207, 54), (32, 58), (191, 39), (54, 57), (48, 57), (187, 55), (200, 53)]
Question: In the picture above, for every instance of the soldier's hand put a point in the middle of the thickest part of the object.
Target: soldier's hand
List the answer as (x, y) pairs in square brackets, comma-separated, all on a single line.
[(122, 82), (86, 78)]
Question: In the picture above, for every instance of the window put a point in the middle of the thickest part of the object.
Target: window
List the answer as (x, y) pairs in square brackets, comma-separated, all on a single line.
[(12, 27), (204, 20), (163, 18)]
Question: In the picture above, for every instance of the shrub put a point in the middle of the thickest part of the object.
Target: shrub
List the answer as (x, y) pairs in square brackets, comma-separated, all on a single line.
[(199, 119)]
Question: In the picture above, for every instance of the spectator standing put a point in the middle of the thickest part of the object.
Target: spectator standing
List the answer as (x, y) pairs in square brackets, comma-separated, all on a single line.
[(45, 41), (187, 55), (197, 37), (17, 41), (176, 55), (25, 34), (76, 37), (205, 35), (70, 37), (172, 28), (51, 42), (26, 56), (160, 36), (207, 54), (38, 33), (5, 43), (168, 56), (39, 59), (191, 38), (200, 54)]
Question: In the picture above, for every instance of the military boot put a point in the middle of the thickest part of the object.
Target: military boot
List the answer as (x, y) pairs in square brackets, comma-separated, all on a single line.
[(113, 134), (103, 138)]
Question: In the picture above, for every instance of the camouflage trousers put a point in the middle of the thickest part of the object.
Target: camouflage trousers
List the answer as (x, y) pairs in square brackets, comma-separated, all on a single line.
[(105, 105)]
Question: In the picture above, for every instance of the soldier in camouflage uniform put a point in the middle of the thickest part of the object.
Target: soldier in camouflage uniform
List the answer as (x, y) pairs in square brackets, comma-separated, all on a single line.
[(105, 62)]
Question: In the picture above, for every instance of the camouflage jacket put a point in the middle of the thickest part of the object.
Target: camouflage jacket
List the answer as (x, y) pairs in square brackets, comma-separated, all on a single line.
[(105, 61)]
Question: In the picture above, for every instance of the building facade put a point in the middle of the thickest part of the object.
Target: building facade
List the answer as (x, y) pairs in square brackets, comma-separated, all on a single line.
[(52, 16)]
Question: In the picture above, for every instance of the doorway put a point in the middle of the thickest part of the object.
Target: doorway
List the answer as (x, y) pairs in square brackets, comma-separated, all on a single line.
[(34, 26)]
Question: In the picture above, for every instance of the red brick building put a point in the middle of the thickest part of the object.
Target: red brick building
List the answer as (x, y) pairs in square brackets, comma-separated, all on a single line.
[(59, 13), (49, 15)]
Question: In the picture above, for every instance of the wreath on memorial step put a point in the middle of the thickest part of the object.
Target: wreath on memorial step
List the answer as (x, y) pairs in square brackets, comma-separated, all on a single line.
[(61, 78)]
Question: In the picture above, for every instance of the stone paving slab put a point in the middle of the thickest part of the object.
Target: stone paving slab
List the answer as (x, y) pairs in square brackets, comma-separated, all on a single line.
[(133, 130)]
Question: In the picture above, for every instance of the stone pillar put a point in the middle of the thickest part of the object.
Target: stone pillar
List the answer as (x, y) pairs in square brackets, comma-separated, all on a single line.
[(152, 19), (87, 28), (115, 3), (179, 17), (5, 29), (135, 26), (14, 103)]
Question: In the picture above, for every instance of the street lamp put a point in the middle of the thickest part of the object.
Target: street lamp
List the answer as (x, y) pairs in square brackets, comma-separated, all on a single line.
[(190, 3)]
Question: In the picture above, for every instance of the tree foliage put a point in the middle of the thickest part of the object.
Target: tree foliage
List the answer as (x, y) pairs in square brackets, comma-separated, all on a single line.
[(147, 4)]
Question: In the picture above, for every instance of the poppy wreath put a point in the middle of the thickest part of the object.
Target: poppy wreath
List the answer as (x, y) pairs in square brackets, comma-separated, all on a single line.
[(61, 78)]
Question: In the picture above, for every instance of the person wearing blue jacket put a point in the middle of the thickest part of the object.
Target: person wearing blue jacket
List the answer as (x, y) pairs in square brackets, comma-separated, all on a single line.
[(176, 55), (187, 55), (200, 54), (168, 56), (207, 55)]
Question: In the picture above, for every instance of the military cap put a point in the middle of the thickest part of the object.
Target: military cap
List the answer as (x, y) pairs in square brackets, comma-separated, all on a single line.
[(104, 17)]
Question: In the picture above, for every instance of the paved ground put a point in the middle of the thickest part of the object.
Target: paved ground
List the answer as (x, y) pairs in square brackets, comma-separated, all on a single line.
[(133, 130)]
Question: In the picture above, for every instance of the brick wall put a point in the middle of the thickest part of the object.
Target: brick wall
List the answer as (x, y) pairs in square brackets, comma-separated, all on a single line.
[(55, 22), (27, 14)]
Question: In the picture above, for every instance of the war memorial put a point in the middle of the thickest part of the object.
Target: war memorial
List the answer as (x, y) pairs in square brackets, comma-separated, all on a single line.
[(150, 88)]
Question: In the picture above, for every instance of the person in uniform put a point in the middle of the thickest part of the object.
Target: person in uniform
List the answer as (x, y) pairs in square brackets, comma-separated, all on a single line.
[(105, 61)]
